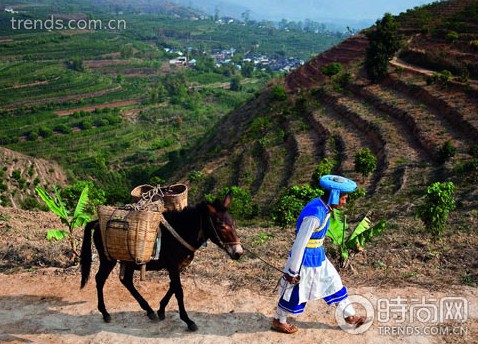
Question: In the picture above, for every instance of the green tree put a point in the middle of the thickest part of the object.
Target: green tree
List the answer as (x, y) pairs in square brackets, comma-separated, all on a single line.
[(127, 51), (86, 124), (247, 69), (158, 94), (63, 128), (205, 64), (71, 193), (384, 42), (77, 64), (437, 206), (342, 80), (325, 167), (235, 84), (331, 69), (279, 93), (175, 84), (291, 203), (446, 152), (72, 220), (365, 162), (241, 205), (45, 132), (33, 135)]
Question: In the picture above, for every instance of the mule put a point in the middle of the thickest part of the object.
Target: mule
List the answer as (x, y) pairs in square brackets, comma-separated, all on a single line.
[(195, 225)]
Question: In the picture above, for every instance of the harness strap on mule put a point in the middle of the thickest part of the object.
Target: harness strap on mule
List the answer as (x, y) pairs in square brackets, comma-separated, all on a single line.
[(176, 235), (218, 238)]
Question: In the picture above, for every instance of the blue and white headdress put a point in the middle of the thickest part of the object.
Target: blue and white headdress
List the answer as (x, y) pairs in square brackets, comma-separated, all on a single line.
[(336, 185)]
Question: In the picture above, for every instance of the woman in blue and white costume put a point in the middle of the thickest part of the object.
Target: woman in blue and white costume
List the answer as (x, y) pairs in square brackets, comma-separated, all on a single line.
[(308, 264)]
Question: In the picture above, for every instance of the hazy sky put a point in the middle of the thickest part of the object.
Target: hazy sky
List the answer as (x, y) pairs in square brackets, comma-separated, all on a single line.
[(312, 9), (347, 9)]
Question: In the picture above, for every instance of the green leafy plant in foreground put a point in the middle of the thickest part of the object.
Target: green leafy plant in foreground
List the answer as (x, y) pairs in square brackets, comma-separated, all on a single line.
[(349, 243), (72, 220)]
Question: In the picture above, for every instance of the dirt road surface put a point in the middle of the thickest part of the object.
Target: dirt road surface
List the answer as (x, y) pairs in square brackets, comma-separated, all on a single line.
[(47, 306)]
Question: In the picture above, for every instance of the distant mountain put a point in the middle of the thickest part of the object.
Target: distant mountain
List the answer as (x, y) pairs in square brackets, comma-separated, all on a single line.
[(335, 13), (98, 7), (148, 6)]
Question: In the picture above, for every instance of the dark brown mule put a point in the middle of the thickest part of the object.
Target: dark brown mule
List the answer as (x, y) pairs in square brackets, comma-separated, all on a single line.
[(195, 225)]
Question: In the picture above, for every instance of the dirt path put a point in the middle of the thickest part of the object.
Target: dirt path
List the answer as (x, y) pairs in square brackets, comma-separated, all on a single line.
[(400, 63), (47, 306)]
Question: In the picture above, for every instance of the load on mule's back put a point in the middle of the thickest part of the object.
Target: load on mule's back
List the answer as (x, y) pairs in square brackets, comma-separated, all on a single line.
[(182, 233), (132, 233)]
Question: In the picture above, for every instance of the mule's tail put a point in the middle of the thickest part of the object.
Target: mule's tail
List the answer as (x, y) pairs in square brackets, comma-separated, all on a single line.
[(86, 253)]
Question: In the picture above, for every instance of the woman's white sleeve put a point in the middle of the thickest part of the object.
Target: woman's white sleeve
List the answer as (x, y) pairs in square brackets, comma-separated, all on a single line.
[(308, 225)]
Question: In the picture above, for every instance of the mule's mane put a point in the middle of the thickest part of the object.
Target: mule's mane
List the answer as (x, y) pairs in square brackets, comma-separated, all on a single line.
[(186, 218)]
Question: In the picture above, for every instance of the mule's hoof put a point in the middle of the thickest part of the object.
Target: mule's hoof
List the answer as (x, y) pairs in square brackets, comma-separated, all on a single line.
[(107, 318), (161, 315), (192, 327), (152, 316)]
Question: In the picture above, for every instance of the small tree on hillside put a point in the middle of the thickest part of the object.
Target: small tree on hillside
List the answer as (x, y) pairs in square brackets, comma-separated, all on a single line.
[(437, 206), (331, 69), (235, 84), (279, 93), (291, 202), (446, 152), (76, 64), (384, 42), (70, 194), (242, 205), (365, 162), (323, 168)]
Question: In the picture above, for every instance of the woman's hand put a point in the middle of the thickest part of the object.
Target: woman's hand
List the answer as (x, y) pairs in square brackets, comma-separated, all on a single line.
[(291, 279)]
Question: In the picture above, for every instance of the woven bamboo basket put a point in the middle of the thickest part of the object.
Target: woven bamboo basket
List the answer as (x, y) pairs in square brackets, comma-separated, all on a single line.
[(175, 196), (129, 235)]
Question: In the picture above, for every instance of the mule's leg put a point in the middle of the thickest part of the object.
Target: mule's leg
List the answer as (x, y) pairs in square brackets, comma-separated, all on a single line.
[(178, 291), (164, 302), (104, 271), (128, 283)]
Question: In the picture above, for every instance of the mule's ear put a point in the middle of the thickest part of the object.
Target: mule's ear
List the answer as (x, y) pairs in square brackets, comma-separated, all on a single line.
[(228, 200)]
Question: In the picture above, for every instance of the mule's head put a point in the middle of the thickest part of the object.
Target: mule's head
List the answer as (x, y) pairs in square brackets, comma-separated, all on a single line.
[(222, 229)]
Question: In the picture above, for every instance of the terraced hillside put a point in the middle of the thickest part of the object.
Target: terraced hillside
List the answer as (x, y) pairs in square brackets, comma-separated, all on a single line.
[(21, 173), (274, 142)]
